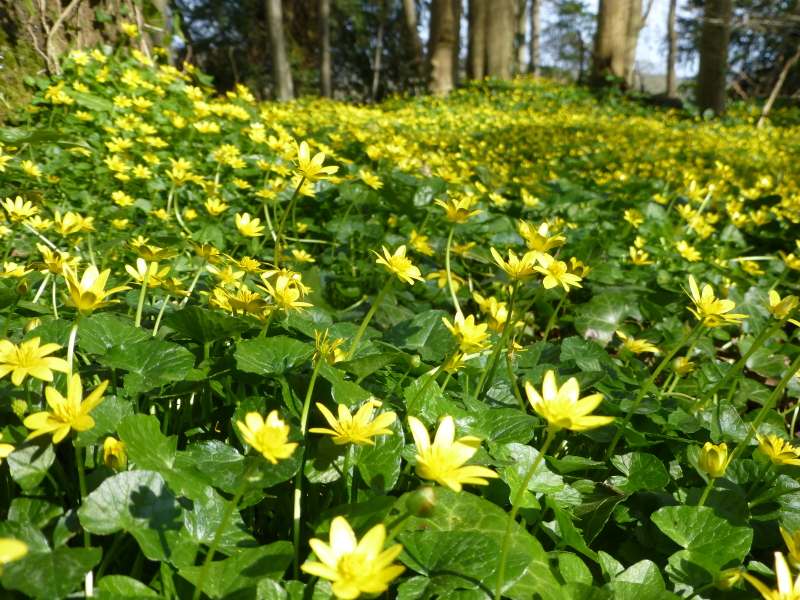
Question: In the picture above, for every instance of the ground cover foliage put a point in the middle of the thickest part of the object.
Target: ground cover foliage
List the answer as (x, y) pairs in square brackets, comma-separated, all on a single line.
[(519, 342)]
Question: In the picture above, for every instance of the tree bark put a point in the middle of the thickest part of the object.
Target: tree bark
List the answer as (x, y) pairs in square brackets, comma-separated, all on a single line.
[(536, 33), (476, 51), (442, 46), (714, 38), (672, 50), (634, 27), (281, 70), (610, 42), (376, 61), (325, 86), (410, 18), (500, 39), (521, 26), (777, 89)]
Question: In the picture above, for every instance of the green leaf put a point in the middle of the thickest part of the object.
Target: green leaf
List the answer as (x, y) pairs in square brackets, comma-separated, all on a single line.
[(572, 568), (343, 392), (519, 458), (147, 447), (599, 318), (569, 534), (30, 462), (271, 355), (204, 325), (151, 363), (708, 540), (641, 580), (424, 333), (588, 356), (216, 462), (107, 416), (121, 587), (91, 101), (15, 136), (101, 332), (471, 525), (245, 569), (642, 471), (380, 465), (50, 575), (34, 511)]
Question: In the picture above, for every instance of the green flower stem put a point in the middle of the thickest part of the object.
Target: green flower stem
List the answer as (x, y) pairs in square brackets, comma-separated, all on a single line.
[(450, 285), (223, 524), (491, 366), (40, 236), (552, 320), (282, 223), (765, 334), (73, 333), (706, 492), (396, 526), (514, 385), (349, 471), (42, 288), (768, 405), (160, 314), (55, 302), (647, 384), (81, 485), (515, 502), (193, 284), (297, 507), (179, 218), (368, 317), (142, 296)]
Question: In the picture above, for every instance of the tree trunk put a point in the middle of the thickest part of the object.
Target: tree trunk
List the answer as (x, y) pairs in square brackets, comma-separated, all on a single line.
[(635, 25), (281, 70), (476, 51), (714, 37), (610, 42), (325, 87), (536, 33), (442, 46), (500, 39), (776, 90), (410, 14), (376, 61), (519, 35), (672, 50)]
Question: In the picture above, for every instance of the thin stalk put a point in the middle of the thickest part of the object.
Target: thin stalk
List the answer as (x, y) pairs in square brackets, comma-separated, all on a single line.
[(647, 384), (42, 288), (515, 502), (142, 296), (73, 333), (368, 317), (81, 486), (552, 320), (450, 284), (160, 314), (179, 217), (193, 284), (282, 223), (297, 508), (55, 302), (706, 492), (508, 326)]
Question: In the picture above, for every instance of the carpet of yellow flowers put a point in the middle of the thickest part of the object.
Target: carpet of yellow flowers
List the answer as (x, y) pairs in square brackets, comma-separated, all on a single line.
[(520, 342)]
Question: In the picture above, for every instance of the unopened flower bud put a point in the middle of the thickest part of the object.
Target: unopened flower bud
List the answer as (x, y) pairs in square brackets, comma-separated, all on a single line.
[(114, 454), (713, 459), (32, 324), (422, 502), (19, 407)]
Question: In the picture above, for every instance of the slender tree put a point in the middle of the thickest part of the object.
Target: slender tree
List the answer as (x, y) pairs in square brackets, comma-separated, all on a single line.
[(672, 50), (325, 86), (714, 38), (634, 26), (521, 25), (536, 33), (476, 51), (443, 45), (410, 19), (281, 70), (611, 41), (500, 39)]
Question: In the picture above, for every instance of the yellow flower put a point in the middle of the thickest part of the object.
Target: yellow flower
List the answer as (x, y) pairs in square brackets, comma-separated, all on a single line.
[(143, 270), (687, 251), (12, 269), (19, 209), (358, 428), (311, 168), (270, 437), (787, 589), (792, 541), (780, 308), (470, 335), (215, 207), (67, 413), (637, 346), (5, 449), (539, 239), (520, 268), (458, 211), (114, 454), (497, 311), (302, 256), (399, 264), (30, 359), (713, 459), (287, 292), (370, 179), (778, 450), (249, 226), (556, 273), (639, 257), (88, 293), (634, 217), (12, 549), (420, 243), (443, 461), (683, 365), (31, 168), (54, 261), (355, 567), (329, 350), (709, 309), (562, 408)]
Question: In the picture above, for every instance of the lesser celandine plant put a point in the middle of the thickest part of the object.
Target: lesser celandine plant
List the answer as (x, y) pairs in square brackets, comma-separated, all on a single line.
[(413, 349)]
